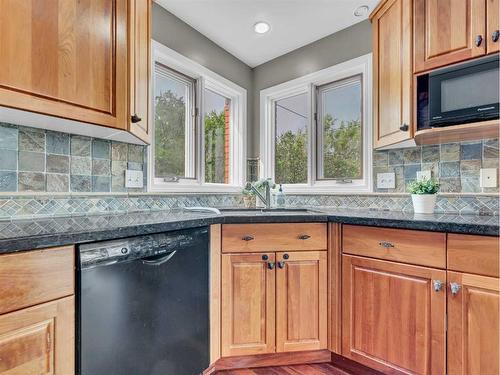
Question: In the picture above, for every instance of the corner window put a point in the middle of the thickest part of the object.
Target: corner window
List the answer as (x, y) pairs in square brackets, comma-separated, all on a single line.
[(198, 129), (320, 130)]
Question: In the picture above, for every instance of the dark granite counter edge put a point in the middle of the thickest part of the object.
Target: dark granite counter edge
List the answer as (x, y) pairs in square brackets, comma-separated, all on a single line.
[(51, 240)]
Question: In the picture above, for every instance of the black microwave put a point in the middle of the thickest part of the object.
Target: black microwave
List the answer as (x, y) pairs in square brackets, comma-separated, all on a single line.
[(463, 93)]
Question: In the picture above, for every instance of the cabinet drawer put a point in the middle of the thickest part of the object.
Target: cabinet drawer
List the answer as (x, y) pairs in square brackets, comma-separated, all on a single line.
[(400, 245), (31, 278), (242, 238), (473, 254)]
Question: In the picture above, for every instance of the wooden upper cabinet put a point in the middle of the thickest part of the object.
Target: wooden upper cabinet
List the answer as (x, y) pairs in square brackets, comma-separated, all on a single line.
[(39, 340), (473, 324), (248, 304), (139, 67), (65, 58), (392, 72), (301, 301), (393, 318), (493, 26), (448, 31)]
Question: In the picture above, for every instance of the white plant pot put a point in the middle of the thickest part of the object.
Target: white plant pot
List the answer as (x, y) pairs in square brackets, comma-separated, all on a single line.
[(424, 203)]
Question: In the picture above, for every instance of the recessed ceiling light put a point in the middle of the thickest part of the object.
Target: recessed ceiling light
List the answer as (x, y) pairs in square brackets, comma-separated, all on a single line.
[(361, 11), (261, 27)]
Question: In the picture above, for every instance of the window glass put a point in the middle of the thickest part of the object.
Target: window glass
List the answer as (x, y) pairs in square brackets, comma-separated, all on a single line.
[(217, 127), (340, 150), (291, 160), (174, 130)]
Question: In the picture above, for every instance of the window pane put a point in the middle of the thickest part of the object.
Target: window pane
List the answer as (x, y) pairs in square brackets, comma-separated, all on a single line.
[(173, 130), (339, 123), (217, 119), (291, 139)]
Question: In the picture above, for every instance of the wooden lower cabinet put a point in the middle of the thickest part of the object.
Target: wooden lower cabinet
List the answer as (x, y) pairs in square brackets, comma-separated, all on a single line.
[(301, 301), (393, 318), (473, 324), (39, 340), (248, 304)]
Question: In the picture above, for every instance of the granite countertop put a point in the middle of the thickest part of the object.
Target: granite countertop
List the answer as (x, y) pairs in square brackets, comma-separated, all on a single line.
[(28, 234)]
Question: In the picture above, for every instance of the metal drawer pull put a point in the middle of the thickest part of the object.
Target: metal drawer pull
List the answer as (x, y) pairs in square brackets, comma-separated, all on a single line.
[(385, 244), (248, 238), (304, 237), (437, 284), (455, 288)]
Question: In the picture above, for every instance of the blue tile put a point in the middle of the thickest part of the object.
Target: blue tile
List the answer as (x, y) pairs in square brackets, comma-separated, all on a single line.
[(8, 160), (101, 183), (410, 171), (100, 149), (80, 183), (8, 136), (449, 169), (8, 181), (470, 151), (31, 161), (57, 143)]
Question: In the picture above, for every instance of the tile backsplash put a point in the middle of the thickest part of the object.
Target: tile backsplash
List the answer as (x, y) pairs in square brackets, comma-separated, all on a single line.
[(455, 165), (36, 160)]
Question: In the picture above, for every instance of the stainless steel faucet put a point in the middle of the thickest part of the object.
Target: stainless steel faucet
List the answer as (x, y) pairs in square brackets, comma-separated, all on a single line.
[(267, 185)]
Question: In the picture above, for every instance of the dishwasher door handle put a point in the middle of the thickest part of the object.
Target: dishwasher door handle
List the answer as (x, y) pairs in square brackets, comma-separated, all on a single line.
[(158, 261)]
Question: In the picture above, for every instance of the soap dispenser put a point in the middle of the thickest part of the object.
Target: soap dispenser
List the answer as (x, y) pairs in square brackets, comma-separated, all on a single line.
[(280, 197)]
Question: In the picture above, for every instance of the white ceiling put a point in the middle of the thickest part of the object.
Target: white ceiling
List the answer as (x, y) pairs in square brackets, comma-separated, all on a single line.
[(294, 23)]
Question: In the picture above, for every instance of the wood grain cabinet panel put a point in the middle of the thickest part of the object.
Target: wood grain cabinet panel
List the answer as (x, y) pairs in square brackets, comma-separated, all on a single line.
[(393, 318), (65, 58), (39, 340), (473, 324), (492, 26), (301, 301), (474, 254), (248, 304), (448, 31), (392, 72), (33, 277)]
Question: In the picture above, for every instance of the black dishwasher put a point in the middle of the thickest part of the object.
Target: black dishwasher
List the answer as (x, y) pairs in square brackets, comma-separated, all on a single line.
[(143, 305)]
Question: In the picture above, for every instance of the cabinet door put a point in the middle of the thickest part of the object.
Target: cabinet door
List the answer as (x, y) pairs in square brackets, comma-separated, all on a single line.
[(492, 26), (65, 58), (301, 301), (448, 31), (393, 318), (248, 304), (39, 340), (392, 73), (139, 57), (473, 338)]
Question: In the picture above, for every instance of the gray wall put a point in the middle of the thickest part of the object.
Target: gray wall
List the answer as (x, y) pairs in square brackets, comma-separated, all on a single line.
[(336, 48), (178, 35)]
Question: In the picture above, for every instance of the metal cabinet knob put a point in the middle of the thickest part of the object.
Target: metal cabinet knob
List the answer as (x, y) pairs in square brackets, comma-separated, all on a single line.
[(265, 257), (437, 284), (479, 40), (247, 238), (455, 288), (286, 256), (134, 118), (404, 127), (495, 35), (386, 244), (270, 265), (304, 237)]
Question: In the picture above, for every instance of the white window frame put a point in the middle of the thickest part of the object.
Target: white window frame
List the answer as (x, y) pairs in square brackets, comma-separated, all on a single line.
[(206, 79), (307, 84)]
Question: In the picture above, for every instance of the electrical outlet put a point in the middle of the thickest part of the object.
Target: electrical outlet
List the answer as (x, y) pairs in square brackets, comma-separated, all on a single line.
[(386, 180), (424, 175), (488, 177), (133, 179)]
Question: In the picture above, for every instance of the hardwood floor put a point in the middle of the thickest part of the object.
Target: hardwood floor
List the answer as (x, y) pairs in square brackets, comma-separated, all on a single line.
[(312, 369)]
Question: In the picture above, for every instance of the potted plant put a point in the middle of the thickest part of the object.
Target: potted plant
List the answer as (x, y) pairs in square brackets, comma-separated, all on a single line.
[(249, 198), (423, 194)]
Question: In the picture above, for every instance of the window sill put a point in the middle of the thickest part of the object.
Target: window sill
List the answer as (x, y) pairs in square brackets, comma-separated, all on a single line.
[(232, 189), (330, 189)]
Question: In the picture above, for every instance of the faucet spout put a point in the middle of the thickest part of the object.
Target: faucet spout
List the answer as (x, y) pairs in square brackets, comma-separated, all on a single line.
[(266, 199)]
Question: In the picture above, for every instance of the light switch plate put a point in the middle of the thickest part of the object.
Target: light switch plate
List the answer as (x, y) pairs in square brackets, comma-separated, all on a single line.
[(133, 179), (424, 175), (488, 177), (386, 180)]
